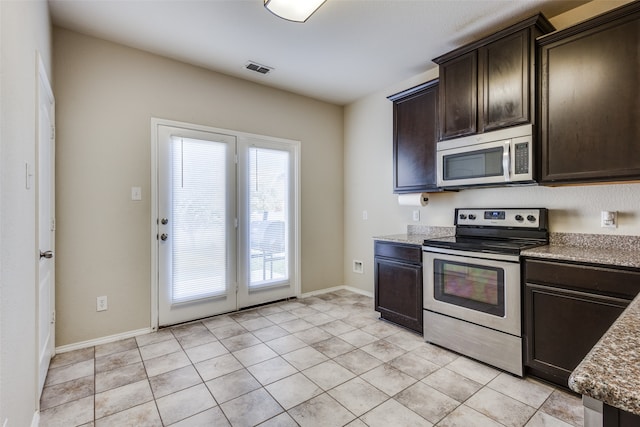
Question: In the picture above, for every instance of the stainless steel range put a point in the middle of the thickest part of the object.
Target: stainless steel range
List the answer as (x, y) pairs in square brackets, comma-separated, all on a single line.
[(472, 286)]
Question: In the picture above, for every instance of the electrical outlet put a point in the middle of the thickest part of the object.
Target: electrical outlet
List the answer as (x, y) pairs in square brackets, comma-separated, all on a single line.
[(365, 215), (358, 266), (101, 303), (608, 219)]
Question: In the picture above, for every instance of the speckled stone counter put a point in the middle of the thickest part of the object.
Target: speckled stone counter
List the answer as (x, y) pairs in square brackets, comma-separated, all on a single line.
[(416, 234), (611, 371), (590, 248)]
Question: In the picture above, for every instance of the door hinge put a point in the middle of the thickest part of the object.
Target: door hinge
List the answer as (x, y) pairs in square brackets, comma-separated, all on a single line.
[(53, 317), (53, 224), (235, 222), (236, 159), (53, 133)]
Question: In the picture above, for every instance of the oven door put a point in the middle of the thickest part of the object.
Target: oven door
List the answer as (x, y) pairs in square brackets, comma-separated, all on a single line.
[(474, 288)]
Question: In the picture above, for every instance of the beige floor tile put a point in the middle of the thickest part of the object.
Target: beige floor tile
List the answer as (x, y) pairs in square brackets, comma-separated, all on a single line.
[(414, 365), (564, 406), (381, 329), (333, 347), (119, 377), (198, 338), (286, 344), (388, 379), (406, 340), (358, 396), (392, 413), (232, 385), (282, 317), (115, 347), (305, 357), (210, 417), (435, 354), (238, 342), (184, 404), (337, 327), (69, 372), (58, 394), (540, 419), (501, 408), (321, 411), (218, 321), (304, 312), (293, 390), (319, 319), (282, 420), (270, 333), (269, 309), (75, 413), (254, 354), (251, 409), (328, 374), (427, 402), (206, 351), (141, 415), (452, 384), (463, 416), (313, 335), (383, 350), (272, 370), (257, 323), (154, 337), (358, 338), (117, 360), (218, 366), (358, 361), (169, 362), (119, 399), (228, 330), (531, 392), (71, 357), (245, 315), (188, 329), (476, 371), (162, 348), (173, 381), (296, 325)]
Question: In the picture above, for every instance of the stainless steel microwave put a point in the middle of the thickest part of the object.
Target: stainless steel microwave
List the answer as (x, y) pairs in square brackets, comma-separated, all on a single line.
[(502, 157)]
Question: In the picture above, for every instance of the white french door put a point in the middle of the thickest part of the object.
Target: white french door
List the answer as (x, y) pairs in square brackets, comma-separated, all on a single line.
[(225, 226)]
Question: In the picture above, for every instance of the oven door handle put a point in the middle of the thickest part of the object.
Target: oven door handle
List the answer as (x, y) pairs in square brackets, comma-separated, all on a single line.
[(506, 161), (473, 254)]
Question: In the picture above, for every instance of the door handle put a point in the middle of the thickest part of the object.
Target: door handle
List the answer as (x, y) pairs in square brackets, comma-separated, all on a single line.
[(164, 221), (164, 236), (46, 254)]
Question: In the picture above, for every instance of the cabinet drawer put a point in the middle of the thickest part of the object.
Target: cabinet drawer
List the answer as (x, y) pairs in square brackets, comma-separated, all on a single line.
[(600, 280), (408, 253)]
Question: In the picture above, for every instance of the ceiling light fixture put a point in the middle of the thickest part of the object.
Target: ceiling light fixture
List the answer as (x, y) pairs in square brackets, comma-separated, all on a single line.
[(293, 10)]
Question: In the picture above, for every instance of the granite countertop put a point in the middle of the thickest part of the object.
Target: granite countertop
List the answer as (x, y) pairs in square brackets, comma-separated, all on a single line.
[(621, 251), (611, 371), (416, 234)]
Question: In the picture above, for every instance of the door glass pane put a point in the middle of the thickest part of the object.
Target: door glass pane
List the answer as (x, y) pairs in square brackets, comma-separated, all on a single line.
[(268, 216), (199, 219), (476, 287)]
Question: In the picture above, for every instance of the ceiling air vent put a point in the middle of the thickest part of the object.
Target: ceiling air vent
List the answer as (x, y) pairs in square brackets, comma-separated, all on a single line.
[(262, 69)]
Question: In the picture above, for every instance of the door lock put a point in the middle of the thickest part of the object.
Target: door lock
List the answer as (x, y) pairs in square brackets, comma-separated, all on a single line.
[(46, 254), (164, 236)]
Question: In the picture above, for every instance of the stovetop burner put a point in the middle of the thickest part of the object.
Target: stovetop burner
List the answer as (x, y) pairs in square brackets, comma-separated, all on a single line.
[(508, 230)]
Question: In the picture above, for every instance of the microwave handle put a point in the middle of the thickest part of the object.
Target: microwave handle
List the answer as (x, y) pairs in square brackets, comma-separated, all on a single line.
[(506, 157)]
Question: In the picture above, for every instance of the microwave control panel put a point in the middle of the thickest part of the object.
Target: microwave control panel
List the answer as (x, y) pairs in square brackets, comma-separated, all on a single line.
[(521, 158)]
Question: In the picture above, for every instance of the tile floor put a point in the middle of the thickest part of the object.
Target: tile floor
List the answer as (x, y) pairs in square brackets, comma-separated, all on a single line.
[(323, 361)]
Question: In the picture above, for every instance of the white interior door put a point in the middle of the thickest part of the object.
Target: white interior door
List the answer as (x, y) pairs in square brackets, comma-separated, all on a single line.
[(196, 224), (268, 221), (46, 226)]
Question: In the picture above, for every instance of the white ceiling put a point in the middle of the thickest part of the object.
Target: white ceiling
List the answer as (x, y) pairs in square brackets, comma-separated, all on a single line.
[(346, 50)]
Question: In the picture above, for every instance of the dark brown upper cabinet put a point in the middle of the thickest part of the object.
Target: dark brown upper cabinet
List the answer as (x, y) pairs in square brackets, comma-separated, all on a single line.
[(590, 100), (490, 84), (415, 135)]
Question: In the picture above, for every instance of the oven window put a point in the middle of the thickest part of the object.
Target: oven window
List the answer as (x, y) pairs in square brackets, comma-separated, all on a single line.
[(475, 164), (472, 286)]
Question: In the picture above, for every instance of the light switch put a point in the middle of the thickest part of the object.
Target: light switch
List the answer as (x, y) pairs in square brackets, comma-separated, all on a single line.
[(136, 193)]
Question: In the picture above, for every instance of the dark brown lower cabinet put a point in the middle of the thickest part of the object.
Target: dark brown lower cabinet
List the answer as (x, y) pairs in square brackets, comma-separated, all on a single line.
[(567, 309), (614, 417), (398, 283)]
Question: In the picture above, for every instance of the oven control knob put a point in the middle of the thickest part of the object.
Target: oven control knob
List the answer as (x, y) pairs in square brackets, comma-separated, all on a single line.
[(462, 216), (519, 218), (472, 216), (531, 218)]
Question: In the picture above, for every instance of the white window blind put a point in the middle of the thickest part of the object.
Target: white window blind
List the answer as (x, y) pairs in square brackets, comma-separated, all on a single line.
[(199, 218)]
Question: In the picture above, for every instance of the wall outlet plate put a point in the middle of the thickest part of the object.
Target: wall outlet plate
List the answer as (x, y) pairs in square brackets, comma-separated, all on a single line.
[(358, 266), (101, 303), (608, 219)]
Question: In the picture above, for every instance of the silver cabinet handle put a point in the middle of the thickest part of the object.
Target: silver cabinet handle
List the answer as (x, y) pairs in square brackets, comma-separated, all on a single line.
[(164, 236), (46, 255)]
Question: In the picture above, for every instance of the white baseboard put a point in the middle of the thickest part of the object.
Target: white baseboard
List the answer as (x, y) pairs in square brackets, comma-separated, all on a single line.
[(103, 340), (35, 421), (336, 288)]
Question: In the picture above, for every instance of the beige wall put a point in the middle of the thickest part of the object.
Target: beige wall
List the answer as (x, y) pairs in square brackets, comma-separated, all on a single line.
[(106, 96), (25, 30), (368, 182)]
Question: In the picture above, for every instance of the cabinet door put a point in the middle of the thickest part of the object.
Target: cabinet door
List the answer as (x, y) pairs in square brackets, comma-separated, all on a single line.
[(398, 292), (415, 138), (614, 417), (504, 72), (459, 96), (561, 327), (590, 106)]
